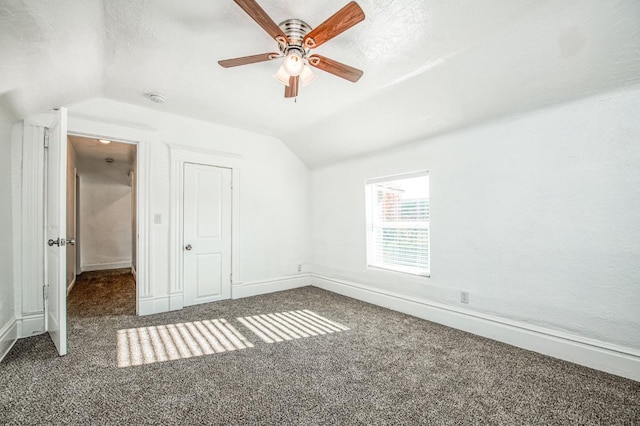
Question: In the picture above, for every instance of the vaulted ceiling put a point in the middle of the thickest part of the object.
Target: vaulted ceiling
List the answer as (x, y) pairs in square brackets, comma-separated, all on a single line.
[(430, 66)]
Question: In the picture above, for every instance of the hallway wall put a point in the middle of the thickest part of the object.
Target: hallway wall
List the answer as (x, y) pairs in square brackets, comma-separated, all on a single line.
[(105, 214)]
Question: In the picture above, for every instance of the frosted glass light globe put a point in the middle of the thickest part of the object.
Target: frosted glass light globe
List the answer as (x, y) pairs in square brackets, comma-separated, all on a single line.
[(293, 63)]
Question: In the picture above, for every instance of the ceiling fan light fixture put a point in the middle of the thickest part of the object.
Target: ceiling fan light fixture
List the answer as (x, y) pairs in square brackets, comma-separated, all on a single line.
[(282, 76), (307, 76), (295, 40), (293, 62)]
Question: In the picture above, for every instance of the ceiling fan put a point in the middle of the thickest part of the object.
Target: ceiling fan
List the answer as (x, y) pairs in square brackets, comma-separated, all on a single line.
[(295, 40)]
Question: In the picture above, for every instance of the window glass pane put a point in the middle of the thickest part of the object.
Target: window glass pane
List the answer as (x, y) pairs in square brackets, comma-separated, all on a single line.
[(398, 223)]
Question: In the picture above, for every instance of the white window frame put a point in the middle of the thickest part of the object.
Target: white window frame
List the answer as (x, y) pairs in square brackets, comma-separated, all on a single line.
[(371, 239)]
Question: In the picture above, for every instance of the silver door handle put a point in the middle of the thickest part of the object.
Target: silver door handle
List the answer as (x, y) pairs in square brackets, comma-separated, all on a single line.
[(188, 247), (51, 242), (71, 241)]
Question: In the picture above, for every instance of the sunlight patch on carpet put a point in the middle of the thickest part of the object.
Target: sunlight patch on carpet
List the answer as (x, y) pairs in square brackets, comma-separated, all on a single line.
[(290, 325), (148, 345)]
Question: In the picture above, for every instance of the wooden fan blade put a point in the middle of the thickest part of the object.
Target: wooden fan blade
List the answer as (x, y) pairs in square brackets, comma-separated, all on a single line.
[(258, 14), (291, 91), (228, 63), (341, 21), (335, 68)]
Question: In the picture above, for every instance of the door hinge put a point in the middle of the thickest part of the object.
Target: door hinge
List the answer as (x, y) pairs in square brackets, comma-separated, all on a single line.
[(45, 292), (231, 277), (46, 137)]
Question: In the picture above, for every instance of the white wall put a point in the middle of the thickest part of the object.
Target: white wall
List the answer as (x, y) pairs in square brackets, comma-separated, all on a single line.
[(273, 196), (274, 187), (105, 214), (537, 217), (274, 191), (7, 309)]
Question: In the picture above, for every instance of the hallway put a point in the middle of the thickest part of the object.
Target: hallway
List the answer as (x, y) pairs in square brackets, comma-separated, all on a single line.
[(102, 293)]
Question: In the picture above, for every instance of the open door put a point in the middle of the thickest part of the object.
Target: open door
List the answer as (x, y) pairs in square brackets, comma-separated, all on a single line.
[(56, 228)]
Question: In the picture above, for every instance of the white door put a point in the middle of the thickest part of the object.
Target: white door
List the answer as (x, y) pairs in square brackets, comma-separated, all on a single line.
[(207, 234), (56, 220)]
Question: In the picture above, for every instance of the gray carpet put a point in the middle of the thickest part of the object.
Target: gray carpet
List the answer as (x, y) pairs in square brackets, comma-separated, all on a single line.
[(388, 368)]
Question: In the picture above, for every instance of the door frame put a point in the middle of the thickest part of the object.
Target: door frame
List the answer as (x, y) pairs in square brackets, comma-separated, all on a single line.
[(91, 128), (76, 204), (143, 289), (179, 156), (74, 227)]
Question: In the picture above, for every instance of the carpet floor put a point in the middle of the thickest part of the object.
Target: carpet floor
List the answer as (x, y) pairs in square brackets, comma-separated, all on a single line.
[(100, 293), (381, 367)]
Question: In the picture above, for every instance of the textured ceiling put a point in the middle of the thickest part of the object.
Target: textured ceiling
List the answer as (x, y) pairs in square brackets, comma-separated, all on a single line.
[(429, 66)]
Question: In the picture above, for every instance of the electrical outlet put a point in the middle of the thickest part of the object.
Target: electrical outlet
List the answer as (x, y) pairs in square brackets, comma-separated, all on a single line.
[(464, 297)]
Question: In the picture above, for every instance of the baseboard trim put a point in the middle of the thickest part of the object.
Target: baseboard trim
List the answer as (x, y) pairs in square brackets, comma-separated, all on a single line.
[(30, 325), (70, 286), (145, 306), (105, 266), (156, 305), (255, 288), (176, 301), (8, 337), (160, 304), (614, 359)]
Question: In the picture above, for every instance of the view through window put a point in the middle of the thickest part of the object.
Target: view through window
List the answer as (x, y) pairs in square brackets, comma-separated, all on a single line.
[(398, 223)]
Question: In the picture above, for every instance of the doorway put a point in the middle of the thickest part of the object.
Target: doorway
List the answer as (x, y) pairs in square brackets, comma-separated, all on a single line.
[(101, 218)]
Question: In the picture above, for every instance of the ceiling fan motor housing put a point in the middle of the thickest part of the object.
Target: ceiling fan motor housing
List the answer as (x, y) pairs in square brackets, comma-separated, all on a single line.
[(295, 30)]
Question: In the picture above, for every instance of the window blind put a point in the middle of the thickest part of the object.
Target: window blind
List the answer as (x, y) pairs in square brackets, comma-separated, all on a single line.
[(398, 223)]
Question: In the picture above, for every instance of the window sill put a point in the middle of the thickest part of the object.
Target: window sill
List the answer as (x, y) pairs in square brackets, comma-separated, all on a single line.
[(399, 271)]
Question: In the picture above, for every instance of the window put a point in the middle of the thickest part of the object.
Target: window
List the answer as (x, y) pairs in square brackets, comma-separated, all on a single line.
[(398, 223)]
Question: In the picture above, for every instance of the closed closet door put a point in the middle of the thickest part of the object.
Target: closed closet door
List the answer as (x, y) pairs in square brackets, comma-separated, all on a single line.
[(207, 234)]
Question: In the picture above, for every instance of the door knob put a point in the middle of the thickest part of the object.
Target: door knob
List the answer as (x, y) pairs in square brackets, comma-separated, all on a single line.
[(188, 247), (51, 242), (71, 241)]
